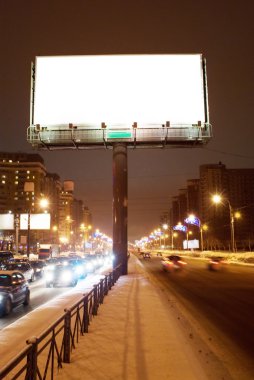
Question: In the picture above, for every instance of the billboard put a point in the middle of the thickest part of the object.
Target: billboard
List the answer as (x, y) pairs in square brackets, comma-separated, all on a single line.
[(6, 222), (191, 244), (37, 221), (119, 90)]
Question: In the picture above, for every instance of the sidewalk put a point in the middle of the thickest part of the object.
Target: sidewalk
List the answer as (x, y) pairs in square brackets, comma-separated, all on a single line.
[(135, 336)]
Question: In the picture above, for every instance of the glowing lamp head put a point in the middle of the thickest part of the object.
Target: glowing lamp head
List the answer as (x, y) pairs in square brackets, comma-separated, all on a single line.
[(216, 198)]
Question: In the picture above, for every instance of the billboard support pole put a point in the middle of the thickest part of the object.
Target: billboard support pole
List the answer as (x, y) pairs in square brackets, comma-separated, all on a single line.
[(120, 206)]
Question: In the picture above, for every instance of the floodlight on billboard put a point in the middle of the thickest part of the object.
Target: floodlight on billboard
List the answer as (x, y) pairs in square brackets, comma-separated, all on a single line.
[(6, 222), (37, 221), (119, 90)]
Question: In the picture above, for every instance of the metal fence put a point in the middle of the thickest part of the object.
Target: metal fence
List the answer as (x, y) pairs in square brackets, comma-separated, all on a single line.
[(45, 354)]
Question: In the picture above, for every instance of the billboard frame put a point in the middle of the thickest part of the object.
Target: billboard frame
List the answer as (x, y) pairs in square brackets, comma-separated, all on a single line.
[(80, 136)]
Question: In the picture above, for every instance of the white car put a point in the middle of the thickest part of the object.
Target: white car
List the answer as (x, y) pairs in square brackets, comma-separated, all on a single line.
[(21, 266)]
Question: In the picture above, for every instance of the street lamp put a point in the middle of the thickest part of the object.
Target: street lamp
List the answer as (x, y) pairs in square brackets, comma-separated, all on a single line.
[(203, 227), (85, 230), (174, 234), (165, 227), (218, 199), (187, 236)]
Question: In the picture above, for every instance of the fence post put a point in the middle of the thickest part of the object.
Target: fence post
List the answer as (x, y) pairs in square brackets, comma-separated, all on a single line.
[(85, 315), (114, 276), (67, 337), (32, 359), (95, 300), (110, 280), (101, 291), (106, 285)]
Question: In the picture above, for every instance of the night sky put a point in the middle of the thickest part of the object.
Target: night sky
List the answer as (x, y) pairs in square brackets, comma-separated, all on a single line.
[(222, 31)]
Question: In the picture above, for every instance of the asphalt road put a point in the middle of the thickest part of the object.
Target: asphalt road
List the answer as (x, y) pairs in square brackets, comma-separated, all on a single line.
[(39, 294), (221, 302)]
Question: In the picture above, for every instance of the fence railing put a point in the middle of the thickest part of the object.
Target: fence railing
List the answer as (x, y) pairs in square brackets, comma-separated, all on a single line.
[(45, 354)]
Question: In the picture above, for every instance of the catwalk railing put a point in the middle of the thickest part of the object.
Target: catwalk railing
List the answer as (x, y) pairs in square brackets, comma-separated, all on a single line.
[(80, 137), (45, 354)]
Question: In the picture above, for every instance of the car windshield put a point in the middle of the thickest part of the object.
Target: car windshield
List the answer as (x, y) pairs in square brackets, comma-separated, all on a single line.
[(5, 280), (17, 266), (37, 264)]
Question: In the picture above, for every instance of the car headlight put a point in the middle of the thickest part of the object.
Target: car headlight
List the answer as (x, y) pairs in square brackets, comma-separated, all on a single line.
[(49, 276), (89, 266), (66, 276), (50, 267), (79, 269)]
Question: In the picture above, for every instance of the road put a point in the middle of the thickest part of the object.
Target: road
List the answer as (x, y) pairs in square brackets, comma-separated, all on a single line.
[(221, 303), (39, 294)]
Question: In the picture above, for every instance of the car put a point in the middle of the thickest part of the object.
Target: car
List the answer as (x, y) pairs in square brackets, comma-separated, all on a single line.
[(173, 263), (61, 275), (146, 255), (6, 256), (21, 266), (38, 267), (79, 266), (216, 264), (14, 291)]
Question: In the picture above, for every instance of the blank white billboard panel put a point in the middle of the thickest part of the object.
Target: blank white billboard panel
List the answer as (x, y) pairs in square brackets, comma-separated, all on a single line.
[(37, 221), (119, 90), (6, 222)]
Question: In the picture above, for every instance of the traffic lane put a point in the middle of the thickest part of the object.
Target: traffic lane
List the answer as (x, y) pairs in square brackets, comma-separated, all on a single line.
[(39, 295), (224, 298)]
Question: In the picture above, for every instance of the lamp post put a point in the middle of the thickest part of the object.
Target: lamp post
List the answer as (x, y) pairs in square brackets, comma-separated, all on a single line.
[(85, 230), (202, 228), (218, 199), (187, 236), (174, 234), (28, 188), (165, 227)]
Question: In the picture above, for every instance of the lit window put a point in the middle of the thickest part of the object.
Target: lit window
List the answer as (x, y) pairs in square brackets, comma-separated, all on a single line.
[(10, 160), (28, 171), (3, 176), (16, 182), (33, 177), (27, 177), (27, 199), (32, 204), (16, 172), (16, 198), (16, 177), (3, 181)]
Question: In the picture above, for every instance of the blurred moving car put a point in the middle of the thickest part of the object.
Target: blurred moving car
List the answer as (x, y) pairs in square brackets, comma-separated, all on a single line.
[(38, 267), (216, 264), (23, 267), (173, 263), (14, 290), (146, 255), (61, 275)]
